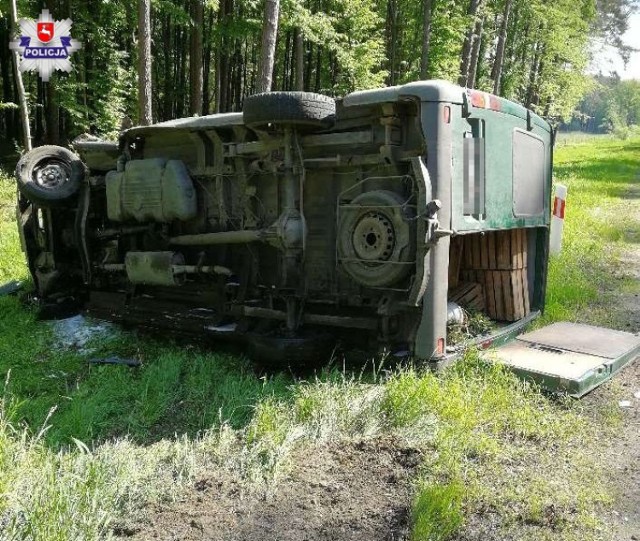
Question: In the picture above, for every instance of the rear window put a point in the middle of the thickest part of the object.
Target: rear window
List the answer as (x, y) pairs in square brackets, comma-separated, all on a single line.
[(528, 174)]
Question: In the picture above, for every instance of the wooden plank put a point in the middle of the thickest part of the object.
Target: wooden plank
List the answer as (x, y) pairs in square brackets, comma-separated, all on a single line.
[(475, 262), (455, 261), (491, 248), (525, 291), (484, 251), (503, 252), (507, 288), (468, 257), (497, 293), (469, 295), (518, 303), (515, 249), (490, 298)]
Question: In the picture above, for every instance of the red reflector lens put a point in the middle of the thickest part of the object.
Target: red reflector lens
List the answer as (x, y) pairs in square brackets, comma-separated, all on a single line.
[(440, 346), (477, 99), (447, 114)]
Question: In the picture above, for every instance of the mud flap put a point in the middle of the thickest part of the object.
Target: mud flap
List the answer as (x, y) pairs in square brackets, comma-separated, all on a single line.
[(570, 358)]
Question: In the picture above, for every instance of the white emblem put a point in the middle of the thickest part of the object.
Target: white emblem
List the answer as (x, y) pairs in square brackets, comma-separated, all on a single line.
[(45, 45)]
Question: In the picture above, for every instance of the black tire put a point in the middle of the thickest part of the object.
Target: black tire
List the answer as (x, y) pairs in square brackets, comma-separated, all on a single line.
[(49, 175), (299, 109)]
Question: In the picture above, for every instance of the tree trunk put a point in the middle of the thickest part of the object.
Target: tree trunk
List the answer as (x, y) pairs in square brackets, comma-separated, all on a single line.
[(532, 97), (498, 63), (22, 98), (144, 62), (427, 17), (52, 113), (5, 73), (475, 54), (392, 39), (299, 55), (169, 82), (465, 60), (206, 76), (195, 60), (268, 52)]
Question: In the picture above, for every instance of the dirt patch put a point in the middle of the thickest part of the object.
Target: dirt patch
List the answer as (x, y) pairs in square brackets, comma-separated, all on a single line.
[(623, 452), (350, 491)]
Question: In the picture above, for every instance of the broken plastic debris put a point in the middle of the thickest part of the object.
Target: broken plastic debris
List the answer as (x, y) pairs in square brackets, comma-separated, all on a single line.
[(624, 403), (116, 360), (637, 394), (10, 288)]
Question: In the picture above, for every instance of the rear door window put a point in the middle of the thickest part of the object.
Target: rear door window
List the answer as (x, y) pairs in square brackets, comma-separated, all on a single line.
[(528, 174)]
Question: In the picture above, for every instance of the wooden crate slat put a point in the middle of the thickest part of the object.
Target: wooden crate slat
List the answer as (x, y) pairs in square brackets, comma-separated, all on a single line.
[(507, 292), (503, 255), (455, 260), (491, 236), (525, 291), (469, 295), (518, 306), (490, 298), (484, 252)]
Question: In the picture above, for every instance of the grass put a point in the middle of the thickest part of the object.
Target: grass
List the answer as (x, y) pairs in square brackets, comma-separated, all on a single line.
[(598, 173), (82, 446)]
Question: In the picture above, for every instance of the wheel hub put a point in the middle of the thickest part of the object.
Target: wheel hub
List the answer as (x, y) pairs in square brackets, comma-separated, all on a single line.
[(51, 175), (373, 237)]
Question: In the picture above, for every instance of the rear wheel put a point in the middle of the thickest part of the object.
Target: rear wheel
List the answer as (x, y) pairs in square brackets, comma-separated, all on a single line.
[(300, 109), (49, 175)]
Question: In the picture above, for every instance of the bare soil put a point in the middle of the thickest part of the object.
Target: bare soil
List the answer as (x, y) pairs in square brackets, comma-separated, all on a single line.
[(352, 491), (623, 451)]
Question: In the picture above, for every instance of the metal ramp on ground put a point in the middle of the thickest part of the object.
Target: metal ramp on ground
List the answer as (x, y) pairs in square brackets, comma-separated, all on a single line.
[(570, 358)]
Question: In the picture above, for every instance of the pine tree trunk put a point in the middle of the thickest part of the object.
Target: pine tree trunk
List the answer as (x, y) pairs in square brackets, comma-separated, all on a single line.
[(309, 65), (318, 77), (475, 54), (195, 60), (465, 60), (22, 98), (392, 39), (169, 82), (206, 76), (268, 52), (5, 73), (144, 65), (299, 55), (498, 63), (427, 17), (52, 113)]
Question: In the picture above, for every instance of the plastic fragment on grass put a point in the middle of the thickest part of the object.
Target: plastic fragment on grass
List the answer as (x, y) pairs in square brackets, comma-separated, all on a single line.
[(116, 360), (77, 332), (10, 288), (624, 403)]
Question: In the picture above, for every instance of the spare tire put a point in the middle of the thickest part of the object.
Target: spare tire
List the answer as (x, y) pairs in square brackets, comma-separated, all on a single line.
[(49, 175), (300, 109)]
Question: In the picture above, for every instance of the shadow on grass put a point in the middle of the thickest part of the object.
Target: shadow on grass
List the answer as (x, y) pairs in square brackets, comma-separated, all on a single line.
[(180, 388), (618, 170)]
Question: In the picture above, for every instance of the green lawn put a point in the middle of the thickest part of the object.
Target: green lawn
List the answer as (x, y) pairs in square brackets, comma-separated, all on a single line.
[(83, 445)]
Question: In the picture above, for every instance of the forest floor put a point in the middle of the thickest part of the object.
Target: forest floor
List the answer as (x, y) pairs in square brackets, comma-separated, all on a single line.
[(201, 444)]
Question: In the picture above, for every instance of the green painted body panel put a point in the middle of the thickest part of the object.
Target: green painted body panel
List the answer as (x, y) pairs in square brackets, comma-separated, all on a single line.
[(498, 130)]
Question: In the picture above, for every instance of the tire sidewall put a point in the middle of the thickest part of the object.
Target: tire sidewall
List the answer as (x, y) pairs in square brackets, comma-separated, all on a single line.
[(49, 196)]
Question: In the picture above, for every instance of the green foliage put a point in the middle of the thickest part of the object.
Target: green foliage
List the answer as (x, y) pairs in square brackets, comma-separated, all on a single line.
[(437, 512)]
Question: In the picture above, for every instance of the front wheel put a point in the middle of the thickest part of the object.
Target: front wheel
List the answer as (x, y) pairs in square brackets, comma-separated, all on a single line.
[(49, 175)]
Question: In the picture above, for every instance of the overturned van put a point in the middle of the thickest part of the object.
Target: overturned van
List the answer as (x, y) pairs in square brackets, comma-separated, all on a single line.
[(302, 221)]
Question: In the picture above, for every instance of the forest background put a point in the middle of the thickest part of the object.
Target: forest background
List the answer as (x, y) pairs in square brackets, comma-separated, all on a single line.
[(151, 60)]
